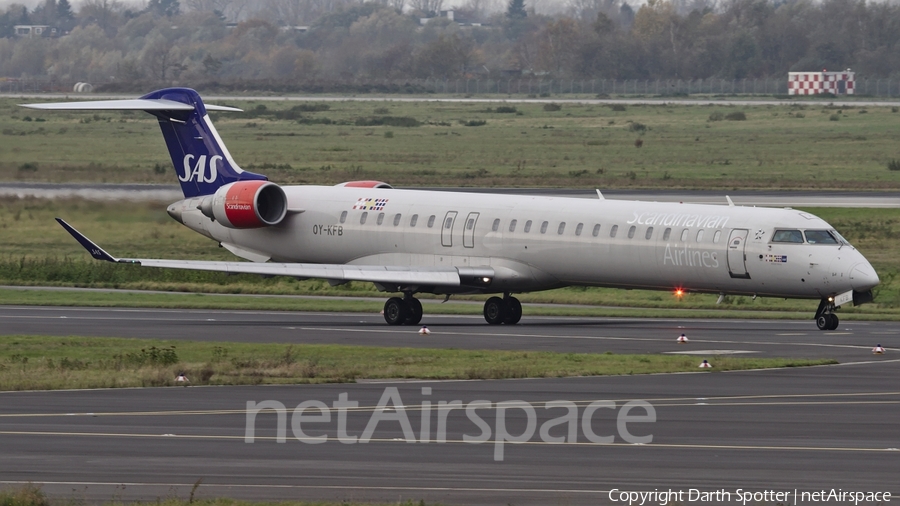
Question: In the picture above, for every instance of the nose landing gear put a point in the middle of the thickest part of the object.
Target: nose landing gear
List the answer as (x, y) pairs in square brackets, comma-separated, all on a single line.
[(825, 317)]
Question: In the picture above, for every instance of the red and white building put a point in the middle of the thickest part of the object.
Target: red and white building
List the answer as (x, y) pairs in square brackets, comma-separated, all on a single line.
[(815, 83)]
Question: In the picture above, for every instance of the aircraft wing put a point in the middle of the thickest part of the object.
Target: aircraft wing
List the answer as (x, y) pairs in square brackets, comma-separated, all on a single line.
[(401, 275)]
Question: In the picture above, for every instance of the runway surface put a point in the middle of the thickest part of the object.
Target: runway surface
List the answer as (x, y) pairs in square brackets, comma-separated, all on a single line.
[(810, 429), (772, 430), (769, 338)]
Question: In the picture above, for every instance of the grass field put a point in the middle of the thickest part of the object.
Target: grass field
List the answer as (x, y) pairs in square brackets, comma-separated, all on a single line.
[(425, 143), (45, 362), (35, 250)]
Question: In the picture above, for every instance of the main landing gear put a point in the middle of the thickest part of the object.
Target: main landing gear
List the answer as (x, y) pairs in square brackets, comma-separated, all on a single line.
[(405, 311), (507, 310), (408, 310), (825, 317)]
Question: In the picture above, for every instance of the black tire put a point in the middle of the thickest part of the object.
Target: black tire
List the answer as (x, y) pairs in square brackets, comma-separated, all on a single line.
[(414, 316), (513, 311), (823, 322), (834, 322), (395, 311), (494, 311)]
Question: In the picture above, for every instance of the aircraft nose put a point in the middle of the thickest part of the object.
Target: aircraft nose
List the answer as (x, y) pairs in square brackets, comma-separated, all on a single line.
[(863, 277)]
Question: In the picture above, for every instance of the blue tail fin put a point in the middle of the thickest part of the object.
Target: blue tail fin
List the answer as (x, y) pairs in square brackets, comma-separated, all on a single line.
[(201, 160)]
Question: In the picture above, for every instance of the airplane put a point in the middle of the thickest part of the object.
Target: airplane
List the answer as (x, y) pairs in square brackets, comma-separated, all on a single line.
[(414, 241)]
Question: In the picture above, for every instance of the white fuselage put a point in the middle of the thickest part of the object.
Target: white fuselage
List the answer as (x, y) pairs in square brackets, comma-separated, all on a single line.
[(536, 243)]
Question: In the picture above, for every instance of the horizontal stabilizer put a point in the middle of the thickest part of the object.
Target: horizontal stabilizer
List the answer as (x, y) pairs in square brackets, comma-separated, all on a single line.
[(138, 104)]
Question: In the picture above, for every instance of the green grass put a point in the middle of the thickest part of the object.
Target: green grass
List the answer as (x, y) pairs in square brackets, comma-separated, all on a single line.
[(42, 362), (577, 146)]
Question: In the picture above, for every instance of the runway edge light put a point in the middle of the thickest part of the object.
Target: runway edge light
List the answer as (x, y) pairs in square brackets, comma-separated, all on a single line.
[(424, 331), (878, 350), (705, 364), (682, 339), (182, 379)]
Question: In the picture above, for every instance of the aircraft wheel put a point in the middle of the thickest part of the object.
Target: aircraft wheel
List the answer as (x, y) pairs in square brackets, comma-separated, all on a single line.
[(395, 311), (494, 310), (414, 316), (834, 322), (823, 322), (513, 311)]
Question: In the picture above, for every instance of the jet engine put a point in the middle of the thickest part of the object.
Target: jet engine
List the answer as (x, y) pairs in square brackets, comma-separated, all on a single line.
[(246, 204)]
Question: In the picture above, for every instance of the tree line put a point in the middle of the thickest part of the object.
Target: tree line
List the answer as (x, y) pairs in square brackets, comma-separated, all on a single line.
[(301, 41)]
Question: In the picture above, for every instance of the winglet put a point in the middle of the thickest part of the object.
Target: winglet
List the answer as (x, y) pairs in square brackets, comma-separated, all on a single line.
[(730, 202), (600, 195), (95, 251)]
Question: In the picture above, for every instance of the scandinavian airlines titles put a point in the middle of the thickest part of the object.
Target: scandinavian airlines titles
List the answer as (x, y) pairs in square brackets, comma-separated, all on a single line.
[(680, 220)]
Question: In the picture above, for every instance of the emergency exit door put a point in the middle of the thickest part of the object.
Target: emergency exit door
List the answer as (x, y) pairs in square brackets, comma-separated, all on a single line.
[(737, 259), (447, 228)]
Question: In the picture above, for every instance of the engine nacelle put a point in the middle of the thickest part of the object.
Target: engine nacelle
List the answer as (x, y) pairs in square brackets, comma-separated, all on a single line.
[(246, 204)]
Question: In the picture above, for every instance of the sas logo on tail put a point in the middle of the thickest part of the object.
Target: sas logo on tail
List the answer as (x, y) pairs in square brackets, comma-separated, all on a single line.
[(199, 171)]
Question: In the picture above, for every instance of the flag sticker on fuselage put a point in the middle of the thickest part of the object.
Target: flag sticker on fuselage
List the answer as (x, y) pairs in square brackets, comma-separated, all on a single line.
[(364, 204), (778, 259)]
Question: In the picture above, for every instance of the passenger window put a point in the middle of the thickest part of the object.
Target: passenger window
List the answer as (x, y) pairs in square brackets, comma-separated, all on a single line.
[(820, 237), (496, 226), (787, 236), (470, 224), (666, 233), (380, 218), (596, 231), (699, 235), (544, 227), (362, 218), (717, 236), (413, 220), (649, 233), (579, 228), (613, 230), (343, 216), (684, 234), (397, 219), (448, 224), (561, 229), (528, 226), (631, 232), (512, 225), (431, 221)]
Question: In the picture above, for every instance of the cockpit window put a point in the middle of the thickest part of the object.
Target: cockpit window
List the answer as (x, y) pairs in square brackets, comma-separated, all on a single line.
[(787, 236), (839, 237), (820, 237)]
